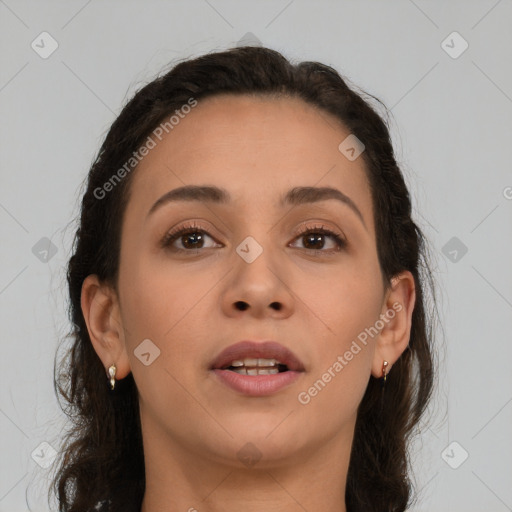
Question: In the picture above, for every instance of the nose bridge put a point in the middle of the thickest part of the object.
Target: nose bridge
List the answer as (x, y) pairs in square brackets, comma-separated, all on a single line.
[(257, 256), (257, 234), (257, 278)]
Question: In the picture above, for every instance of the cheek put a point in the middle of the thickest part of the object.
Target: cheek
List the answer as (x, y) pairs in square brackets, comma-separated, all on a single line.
[(161, 305), (172, 304), (347, 303), (341, 367), (158, 297), (349, 309)]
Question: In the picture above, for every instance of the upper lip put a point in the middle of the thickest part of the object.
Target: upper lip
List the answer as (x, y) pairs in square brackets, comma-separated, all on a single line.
[(261, 349)]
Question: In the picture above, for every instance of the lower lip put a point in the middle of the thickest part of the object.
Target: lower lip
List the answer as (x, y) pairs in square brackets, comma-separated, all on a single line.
[(257, 385)]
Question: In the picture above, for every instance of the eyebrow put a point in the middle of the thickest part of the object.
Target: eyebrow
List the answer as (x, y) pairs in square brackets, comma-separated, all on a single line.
[(217, 195)]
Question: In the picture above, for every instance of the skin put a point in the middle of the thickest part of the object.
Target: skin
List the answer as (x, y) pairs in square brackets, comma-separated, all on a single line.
[(194, 426)]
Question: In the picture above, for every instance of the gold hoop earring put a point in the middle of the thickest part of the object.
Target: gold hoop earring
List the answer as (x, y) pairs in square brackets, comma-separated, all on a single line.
[(112, 372)]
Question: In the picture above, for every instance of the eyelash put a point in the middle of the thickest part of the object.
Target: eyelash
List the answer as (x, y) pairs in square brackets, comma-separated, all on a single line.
[(170, 237)]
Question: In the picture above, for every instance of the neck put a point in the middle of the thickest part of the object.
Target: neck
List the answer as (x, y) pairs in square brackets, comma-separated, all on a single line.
[(189, 479)]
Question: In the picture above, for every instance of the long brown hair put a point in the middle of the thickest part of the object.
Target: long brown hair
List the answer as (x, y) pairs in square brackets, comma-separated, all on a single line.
[(102, 459)]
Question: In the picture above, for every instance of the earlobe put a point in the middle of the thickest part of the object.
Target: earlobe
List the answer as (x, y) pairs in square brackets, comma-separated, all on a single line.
[(100, 309), (396, 316)]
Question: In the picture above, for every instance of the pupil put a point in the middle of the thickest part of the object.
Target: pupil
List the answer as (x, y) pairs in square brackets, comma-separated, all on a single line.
[(315, 238), (190, 236)]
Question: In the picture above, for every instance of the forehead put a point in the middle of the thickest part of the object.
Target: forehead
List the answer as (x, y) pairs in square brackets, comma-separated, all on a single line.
[(256, 147)]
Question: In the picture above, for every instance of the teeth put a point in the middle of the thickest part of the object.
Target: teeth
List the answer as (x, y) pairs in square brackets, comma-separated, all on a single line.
[(267, 362), (255, 366), (249, 361), (256, 371)]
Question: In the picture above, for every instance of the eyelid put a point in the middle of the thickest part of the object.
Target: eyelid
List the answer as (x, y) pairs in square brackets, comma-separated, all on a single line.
[(309, 225)]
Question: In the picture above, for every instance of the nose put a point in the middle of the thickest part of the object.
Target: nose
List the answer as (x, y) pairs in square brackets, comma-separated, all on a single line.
[(259, 289)]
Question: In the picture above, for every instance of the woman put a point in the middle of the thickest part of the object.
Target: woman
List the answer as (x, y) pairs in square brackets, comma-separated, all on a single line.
[(248, 294)]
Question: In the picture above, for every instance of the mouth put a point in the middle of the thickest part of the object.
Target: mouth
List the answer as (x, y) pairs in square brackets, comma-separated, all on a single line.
[(251, 356), (257, 368)]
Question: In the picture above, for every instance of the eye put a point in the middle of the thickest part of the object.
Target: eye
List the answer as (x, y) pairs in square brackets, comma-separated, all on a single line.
[(191, 237), (313, 239)]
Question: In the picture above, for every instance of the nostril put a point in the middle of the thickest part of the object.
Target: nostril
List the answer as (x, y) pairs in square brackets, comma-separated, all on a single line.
[(242, 306)]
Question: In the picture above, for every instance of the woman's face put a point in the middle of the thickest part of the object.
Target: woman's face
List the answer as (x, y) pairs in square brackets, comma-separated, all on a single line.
[(302, 291)]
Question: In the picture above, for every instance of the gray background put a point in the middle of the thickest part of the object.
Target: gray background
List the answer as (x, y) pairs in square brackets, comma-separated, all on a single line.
[(452, 131)]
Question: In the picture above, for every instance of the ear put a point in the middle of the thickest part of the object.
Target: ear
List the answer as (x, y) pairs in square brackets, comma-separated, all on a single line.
[(396, 315), (100, 308)]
